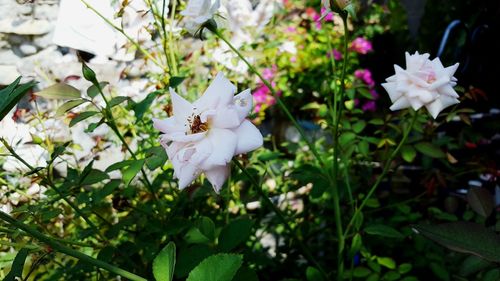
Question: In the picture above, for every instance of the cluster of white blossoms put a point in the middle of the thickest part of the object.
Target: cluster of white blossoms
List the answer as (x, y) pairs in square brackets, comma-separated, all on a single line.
[(203, 137), (424, 82)]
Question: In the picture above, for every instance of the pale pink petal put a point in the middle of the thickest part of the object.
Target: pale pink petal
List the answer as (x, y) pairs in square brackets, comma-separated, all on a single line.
[(183, 137), (187, 174), (219, 93), (223, 143), (394, 94), (182, 109), (243, 103), (400, 104), (167, 125), (249, 137), (226, 118), (217, 176)]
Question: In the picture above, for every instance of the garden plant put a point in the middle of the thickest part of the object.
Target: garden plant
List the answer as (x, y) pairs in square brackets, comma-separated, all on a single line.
[(262, 150)]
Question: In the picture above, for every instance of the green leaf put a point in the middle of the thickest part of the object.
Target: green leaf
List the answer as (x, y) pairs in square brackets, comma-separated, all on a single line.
[(356, 244), (465, 237), (156, 157), (391, 276), (117, 100), (408, 153), (346, 137), (492, 275), (473, 264), (430, 150), (404, 268), (246, 274), (82, 116), (189, 257), (481, 201), (235, 233), (387, 262), (16, 270), (93, 91), (313, 274), (361, 271), (60, 91), (12, 94), (359, 126), (195, 236), (384, 231), (221, 267), (119, 165), (129, 173), (365, 93), (94, 176), (164, 263), (175, 81), (68, 106), (141, 107), (206, 226)]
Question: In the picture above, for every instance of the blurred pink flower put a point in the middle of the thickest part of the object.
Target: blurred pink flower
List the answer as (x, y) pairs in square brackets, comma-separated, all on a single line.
[(361, 45), (336, 54), (369, 106), (365, 75)]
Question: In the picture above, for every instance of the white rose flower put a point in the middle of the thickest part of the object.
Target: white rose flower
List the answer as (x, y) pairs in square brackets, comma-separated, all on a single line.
[(423, 83), (198, 12), (203, 137)]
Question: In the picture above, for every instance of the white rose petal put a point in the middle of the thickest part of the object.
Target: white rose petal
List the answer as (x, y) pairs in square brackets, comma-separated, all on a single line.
[(203, 137), (424, 82)]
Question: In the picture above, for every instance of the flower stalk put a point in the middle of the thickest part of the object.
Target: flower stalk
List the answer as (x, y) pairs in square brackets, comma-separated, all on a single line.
[(275, 95), (282, 218), (69, 251)]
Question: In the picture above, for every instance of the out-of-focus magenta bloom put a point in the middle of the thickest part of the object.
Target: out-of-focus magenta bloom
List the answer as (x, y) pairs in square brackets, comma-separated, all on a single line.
[(336, 54), (369, 106), (361, 45), (262, 95), (365, 75), (268, 73), (291, 29), (327, 16)]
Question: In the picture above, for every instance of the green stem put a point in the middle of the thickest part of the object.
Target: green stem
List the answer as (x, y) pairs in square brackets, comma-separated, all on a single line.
[(275, 95), (119, 29), (337, 111), (52, 185), (68, 251), (108, 115), (384, 172), (281, 217), (171, 42)]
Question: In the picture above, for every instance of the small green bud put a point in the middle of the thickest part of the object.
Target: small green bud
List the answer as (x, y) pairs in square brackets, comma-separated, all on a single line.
[(88, 73)]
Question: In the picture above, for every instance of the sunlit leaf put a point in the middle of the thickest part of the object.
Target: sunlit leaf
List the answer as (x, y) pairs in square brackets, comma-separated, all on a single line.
[(221, 267), (60, 91), (164, 263)]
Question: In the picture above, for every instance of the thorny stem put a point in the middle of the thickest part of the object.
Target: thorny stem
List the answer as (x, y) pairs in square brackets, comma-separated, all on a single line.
[(275, 95), (68, 251), (119, 29), (281, 217)]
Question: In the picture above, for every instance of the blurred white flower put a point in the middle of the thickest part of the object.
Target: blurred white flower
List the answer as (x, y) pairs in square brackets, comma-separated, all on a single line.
[(288, 47), (205, 135), (423, 83), (19, 137), (198, 12)]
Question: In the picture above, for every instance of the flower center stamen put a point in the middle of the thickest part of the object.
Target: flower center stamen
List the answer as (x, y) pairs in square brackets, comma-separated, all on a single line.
[(196, 126)]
